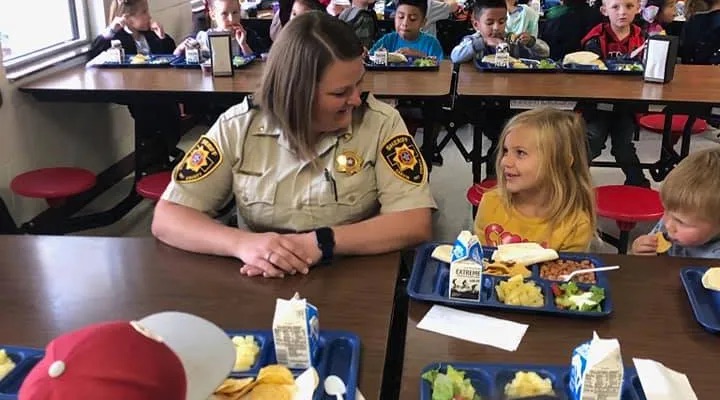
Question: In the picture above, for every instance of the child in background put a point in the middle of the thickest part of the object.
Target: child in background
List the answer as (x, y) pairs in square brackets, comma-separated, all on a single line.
[(225, 14), (438, 11), (617, 39), (692, 209), (133, 26), (565, 26), (655, 15), (521, 19), (290, 9), (489, 19), (544, 192), (700, 39), (407, 38), (363, 20)]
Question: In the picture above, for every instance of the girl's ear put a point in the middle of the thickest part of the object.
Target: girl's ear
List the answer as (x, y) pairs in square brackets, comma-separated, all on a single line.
[(603, 11)]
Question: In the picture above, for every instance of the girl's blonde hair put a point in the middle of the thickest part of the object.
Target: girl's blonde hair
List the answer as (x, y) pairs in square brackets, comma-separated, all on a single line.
[(564, 166), (121, 7), (305, 48)]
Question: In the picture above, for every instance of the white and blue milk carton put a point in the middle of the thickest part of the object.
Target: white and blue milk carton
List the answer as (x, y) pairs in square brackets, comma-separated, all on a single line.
[(296, 332), (597, 370), (466, 266)]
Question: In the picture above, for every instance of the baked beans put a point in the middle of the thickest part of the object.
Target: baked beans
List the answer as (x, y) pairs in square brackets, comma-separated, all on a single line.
[(551, 270)]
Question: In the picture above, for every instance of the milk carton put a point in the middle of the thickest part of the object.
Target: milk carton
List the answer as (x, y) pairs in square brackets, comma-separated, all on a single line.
[(597, 370), (465, 282), (296, 332)]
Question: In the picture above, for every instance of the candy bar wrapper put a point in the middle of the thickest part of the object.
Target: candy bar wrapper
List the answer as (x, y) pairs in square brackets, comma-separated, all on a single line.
[(465, 282), (296, 332)]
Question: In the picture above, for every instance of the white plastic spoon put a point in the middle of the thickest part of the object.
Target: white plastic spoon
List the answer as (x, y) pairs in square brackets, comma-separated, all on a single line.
[(334, 386), (569, 276)]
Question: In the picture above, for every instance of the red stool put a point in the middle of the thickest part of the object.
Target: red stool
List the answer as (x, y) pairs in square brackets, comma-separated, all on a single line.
[(656, 123), (477, 190), (54, 185), (152, 186), (627, 205)]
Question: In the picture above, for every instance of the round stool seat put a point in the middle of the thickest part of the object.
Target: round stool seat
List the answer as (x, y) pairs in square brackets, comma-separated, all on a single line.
[(628, 203), (476, 191), (656, 123), (152, 186), (53, 183)]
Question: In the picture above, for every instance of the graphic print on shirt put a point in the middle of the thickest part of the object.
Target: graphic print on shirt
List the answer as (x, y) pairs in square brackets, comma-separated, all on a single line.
[(496, 235)]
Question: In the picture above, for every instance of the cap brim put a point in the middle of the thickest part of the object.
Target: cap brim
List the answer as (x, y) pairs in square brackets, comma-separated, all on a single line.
[(205, 350)]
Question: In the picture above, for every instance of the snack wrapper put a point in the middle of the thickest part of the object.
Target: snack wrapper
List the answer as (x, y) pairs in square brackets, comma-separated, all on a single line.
[(466, 265), (597, 370), (296, 332)]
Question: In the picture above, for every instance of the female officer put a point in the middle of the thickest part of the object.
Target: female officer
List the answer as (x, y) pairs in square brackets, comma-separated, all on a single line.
[(315, 170)]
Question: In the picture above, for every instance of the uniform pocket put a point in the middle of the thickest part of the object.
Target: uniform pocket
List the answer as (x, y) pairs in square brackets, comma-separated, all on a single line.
[(255, 197)]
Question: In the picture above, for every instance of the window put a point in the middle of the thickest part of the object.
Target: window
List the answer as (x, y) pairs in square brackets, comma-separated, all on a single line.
[(38, 29)]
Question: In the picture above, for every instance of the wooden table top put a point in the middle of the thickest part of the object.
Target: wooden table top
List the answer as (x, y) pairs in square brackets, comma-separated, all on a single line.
[(691, 84), (51, 285), (91, 82), (652, 318)]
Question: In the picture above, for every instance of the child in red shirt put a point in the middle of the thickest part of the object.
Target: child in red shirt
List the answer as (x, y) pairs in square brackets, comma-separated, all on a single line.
[(616, 39)]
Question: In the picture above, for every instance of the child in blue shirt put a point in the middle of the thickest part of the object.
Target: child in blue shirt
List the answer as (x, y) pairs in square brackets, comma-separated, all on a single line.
[(692, 209), (489, 20), (407, 38)]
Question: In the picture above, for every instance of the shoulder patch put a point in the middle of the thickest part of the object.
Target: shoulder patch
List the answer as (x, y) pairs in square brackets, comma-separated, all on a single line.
[(404, 159), (199, 162)]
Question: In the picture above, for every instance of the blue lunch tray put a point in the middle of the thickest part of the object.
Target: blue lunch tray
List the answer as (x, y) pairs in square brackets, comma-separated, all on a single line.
[(25, 359), (180, 62), (161, 61), (489, 380), (614, 67), (408, 66), (429, 282), (531, 64), (338, 354), (705, 303)]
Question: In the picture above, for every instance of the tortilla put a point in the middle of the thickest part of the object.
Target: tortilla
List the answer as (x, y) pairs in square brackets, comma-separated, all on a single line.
[(396, 58), (711, 279), (490, 59), (581, 57)]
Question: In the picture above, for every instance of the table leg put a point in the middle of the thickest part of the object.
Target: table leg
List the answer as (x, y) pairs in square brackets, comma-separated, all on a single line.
[(429, 147)]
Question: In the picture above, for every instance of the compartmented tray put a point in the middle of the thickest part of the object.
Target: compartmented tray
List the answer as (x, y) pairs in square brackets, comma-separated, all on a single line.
[(154, 61), (489, 380), (407, 66), (429, 281), (25, 359), (531, 66), (705, 303), (338, 354), (613, 68), (239, 62)]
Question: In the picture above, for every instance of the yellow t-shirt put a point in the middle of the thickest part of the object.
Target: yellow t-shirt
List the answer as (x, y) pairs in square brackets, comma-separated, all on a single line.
[(495, 224)]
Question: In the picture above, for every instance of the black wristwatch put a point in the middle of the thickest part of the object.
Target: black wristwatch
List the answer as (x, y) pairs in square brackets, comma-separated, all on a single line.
[(326, 244)]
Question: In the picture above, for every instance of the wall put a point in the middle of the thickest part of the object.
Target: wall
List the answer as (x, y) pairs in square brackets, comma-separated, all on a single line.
[(36, 134)]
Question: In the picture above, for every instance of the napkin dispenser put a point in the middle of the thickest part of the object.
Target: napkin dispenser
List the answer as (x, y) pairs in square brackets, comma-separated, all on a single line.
[(660, 58), (221, 53)]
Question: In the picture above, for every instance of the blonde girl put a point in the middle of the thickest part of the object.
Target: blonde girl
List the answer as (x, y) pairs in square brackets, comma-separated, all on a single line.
[(544, 191)]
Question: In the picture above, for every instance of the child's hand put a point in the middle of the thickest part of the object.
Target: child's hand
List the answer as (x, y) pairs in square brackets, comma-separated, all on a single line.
[(493, 41), (454, 6), (526, 39), (406, 51), (645, 245), (182, 47), (240, 34), (118, 23), (158, 29)]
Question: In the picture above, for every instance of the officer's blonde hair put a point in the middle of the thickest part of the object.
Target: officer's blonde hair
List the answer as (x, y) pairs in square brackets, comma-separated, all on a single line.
[(564, 169), (691, 188), (305, 48)]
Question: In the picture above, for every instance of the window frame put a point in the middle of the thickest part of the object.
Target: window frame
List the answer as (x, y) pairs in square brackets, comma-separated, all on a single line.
[(79, 14)]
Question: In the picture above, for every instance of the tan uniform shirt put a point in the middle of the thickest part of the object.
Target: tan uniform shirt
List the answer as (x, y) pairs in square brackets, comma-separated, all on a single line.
[(372, 167)]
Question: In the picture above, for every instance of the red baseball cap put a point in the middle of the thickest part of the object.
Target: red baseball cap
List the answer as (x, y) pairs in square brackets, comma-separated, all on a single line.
[(169, 356)]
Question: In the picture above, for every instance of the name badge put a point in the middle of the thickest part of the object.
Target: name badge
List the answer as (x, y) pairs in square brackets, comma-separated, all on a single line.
[(348, 162)]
